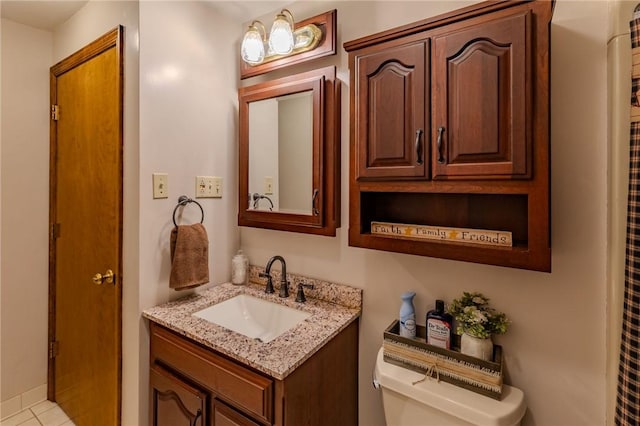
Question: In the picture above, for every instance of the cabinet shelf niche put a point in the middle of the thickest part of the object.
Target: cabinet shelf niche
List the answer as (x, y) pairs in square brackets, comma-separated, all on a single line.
[(498, 212)]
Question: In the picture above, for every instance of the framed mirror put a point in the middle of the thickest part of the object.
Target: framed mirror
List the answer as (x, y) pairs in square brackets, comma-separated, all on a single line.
[(289, 153)]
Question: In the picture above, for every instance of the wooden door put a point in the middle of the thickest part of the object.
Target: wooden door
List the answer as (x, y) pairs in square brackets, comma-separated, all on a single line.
[(86, 233), (482, 100), (175, 402), (391, 104)]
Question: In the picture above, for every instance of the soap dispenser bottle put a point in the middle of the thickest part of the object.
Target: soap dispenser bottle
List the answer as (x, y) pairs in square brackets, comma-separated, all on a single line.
[(439, 326), (240, 269), (407, 315)]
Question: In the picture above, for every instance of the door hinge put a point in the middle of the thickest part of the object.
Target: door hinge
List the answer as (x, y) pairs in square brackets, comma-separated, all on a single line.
[(55, 112), (55, 231), (53, 349)]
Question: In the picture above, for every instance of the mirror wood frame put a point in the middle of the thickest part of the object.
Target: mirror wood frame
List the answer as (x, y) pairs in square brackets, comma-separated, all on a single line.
[(326, 152)]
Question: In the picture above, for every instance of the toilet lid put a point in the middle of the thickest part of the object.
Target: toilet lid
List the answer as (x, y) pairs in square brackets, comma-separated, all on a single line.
[(469, 406)]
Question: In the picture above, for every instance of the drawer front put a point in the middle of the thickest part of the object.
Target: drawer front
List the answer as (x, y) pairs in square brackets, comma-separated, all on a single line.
[(223, 415), (230, 381)]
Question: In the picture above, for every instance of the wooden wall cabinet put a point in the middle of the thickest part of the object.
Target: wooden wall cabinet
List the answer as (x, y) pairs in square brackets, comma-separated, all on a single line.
[(194, 385), (450, 128)]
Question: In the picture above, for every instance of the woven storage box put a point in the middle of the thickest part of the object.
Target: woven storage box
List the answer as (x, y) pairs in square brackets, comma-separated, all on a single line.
[(475, 374)]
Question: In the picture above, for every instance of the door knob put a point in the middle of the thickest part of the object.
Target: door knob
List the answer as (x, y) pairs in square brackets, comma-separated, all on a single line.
[(108, 277)]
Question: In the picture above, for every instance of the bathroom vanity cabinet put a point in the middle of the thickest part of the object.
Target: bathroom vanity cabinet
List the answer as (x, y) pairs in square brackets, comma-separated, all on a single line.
[(450, 129), (195, 385)]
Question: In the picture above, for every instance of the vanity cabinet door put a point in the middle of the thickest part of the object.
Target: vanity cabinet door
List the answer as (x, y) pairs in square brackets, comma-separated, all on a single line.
[(174, 401), (482, 99), (223, 415), (391, 118)]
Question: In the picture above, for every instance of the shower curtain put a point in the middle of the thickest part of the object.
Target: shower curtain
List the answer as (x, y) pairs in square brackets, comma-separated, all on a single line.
[(628, 393)]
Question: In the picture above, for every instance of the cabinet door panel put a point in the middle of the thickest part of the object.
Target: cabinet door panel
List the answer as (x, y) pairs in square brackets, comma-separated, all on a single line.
[(480, 116), (175, 402), (223, 415), (392, 99)]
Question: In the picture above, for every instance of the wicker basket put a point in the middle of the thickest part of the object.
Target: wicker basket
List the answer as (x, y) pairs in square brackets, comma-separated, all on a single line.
[(475, 374)]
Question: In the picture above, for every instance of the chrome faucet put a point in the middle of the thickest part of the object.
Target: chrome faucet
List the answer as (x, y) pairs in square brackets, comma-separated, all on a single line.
[(284, 285)]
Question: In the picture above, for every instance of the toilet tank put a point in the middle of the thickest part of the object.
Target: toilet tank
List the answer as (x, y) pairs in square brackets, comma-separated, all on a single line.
[(439, 403)]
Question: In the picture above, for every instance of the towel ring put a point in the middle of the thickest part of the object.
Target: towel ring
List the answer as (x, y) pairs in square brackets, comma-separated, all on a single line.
[(183, 201)]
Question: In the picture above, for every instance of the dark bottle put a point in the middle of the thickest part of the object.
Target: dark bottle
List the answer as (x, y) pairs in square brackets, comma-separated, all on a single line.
[(439, 326)]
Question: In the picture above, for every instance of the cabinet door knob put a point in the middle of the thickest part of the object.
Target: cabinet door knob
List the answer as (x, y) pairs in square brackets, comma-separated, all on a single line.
[(439, 145), (419, 159)]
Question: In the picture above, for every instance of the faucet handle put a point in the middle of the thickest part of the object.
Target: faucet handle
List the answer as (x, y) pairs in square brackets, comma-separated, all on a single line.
[(269, 287), (300, 297)]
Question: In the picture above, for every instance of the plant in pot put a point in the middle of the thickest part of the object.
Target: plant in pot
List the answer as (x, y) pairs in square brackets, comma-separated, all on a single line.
[(476, 323)]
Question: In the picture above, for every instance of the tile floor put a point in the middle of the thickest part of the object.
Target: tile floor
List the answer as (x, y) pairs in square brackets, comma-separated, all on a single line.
[(45, 413)]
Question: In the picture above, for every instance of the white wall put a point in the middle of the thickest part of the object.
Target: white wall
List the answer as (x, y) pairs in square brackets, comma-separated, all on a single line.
[(26, 57), (556, 348), (188, 127)]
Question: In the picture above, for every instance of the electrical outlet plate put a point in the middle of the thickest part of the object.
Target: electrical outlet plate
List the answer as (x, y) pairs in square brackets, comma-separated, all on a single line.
[(160, 188), (208, 187)]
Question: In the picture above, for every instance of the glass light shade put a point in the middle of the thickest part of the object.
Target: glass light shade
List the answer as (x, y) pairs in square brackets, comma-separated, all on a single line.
[(281, 37), (252, 49)]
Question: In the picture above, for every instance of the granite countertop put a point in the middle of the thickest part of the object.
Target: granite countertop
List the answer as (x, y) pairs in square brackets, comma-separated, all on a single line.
[(279, 357)]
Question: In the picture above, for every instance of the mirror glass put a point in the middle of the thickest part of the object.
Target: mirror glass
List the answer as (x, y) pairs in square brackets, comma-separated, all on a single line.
[(281, 154), (289, 153)]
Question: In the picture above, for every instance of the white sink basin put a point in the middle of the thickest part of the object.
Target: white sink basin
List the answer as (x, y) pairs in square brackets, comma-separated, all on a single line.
[(253, 317)]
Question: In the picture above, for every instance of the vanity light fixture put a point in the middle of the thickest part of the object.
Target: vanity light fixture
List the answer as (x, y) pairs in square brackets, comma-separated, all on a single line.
[(283, 40), (252, 49), (281, 36)]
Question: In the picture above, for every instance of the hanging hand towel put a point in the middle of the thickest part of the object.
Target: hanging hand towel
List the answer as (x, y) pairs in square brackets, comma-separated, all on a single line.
[(189, 257)]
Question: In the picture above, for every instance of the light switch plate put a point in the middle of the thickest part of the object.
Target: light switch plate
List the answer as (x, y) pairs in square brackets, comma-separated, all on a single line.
[(160, 185), (268, 185), (217, 187)]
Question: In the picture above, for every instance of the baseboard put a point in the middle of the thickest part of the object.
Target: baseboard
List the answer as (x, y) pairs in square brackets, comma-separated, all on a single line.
[(23, 401)]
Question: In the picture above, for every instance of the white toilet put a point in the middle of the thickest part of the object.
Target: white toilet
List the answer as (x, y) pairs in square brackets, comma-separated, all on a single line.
[(430, 403)]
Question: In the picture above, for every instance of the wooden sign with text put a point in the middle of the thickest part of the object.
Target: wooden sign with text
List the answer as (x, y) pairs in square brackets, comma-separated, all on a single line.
[(441, 233)]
